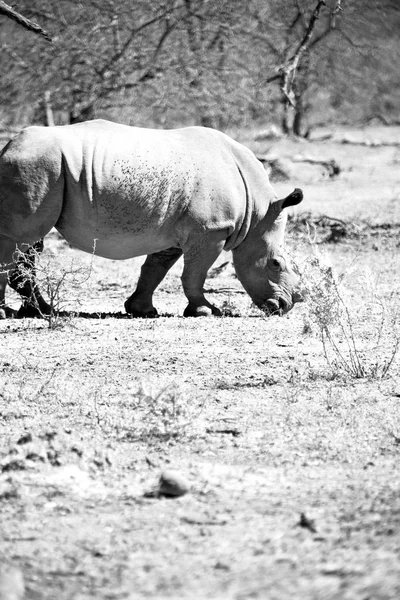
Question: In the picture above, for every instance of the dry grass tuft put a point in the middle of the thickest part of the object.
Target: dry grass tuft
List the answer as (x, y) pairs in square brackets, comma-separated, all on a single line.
[(359, 331), (166, 413), (148, 414)]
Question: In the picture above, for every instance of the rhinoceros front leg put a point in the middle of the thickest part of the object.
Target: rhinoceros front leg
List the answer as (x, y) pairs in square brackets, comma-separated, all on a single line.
[(22, 279), (7, 249), (199, 256), (153, 271)]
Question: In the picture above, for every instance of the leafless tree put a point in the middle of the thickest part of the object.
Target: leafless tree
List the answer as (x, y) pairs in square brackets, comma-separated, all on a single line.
[(293, 87), (224, 63)]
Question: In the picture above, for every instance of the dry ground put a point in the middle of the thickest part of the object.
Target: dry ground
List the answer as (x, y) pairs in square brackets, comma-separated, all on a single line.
[(292, 466)]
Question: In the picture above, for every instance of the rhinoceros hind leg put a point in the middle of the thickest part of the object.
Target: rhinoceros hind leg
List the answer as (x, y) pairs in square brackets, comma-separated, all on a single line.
[(29, 310), (7, 249), (22, 279), (153, 271), (199, 257)]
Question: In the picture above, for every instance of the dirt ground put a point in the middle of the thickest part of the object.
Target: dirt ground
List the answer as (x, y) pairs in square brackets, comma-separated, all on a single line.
[(287, 468)]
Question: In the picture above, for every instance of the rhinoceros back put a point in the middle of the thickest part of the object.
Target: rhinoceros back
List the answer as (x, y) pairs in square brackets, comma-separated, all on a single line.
[(127, 191)]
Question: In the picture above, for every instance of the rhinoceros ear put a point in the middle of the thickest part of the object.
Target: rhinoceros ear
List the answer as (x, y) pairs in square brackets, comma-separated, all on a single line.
[(294, 198)]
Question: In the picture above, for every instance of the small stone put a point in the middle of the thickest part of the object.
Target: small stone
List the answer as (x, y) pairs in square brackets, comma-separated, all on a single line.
[(307, 523), (26, 438), (172, 484), (221, 566)]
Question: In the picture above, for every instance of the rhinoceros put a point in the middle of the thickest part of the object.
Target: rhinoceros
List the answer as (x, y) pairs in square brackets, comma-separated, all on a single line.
[(121, 191)]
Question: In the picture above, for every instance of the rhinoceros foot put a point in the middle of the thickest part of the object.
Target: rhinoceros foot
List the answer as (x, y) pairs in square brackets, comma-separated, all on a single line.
[(201, 311), (28, 310), (140, 309), (141, 313), (6, 312), (147, 314)]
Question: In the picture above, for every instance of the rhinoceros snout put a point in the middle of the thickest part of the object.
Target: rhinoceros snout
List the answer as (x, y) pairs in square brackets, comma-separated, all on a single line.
[(280, 306), (273, 307)]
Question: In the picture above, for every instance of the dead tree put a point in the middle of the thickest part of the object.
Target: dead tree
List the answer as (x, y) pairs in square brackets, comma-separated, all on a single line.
[(292, 92)]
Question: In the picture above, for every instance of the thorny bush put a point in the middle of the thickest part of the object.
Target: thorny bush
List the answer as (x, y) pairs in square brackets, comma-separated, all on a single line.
[(359, 338)]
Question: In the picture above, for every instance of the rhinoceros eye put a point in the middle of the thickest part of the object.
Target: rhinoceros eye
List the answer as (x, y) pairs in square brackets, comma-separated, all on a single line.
[(277, 263)]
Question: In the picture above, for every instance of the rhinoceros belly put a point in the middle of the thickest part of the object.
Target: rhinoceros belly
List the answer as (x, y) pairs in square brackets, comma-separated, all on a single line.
[(117, 220)]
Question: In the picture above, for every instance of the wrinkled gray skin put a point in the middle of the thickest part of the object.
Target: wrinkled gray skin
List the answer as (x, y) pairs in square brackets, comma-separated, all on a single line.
[(128, 191)]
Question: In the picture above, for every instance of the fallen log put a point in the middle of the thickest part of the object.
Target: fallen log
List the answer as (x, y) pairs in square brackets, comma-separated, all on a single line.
[(275, 163), (330, 165)]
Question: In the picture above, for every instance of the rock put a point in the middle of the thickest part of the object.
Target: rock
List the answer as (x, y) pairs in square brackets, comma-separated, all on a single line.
[(172, 484)]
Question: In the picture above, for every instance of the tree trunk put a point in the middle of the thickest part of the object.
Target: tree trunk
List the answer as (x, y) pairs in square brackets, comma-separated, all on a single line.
[(48, 109), (298, 118), (288, 117), (294, 117)]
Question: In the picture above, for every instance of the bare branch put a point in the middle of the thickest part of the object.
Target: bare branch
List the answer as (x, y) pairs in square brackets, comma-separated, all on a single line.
[(21, 20), (262, 38), (297, 19), (124, 48), (338, 8), (274, 77), (168, 30), (322, 36), (331, 27), (366, 47), (103, 91), (302, 47), (301, 14)]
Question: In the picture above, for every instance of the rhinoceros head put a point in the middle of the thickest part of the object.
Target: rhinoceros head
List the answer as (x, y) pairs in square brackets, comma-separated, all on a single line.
[(261, 264)]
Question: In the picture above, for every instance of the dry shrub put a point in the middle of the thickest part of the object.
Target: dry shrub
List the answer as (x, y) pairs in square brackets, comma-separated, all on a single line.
[(166, 413), (357, 326), (60, 282), (149, 414)]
